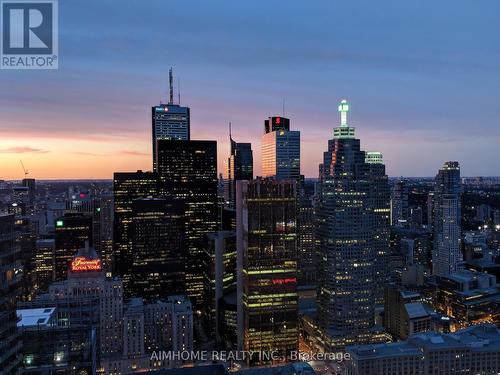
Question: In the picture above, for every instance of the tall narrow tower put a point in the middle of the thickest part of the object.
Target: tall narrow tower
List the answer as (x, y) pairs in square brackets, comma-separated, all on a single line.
[(446, 255)]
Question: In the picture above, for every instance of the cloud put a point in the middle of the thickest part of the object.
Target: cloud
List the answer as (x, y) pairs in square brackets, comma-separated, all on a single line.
[(133, 153), (23, 150)]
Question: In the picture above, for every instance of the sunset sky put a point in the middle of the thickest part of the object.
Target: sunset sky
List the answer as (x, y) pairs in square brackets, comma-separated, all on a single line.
[(422, 78)]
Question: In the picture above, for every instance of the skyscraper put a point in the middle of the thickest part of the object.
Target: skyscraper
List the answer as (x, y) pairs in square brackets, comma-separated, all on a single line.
[(158, 248), (399, 204), (446, 255), (267, 267), (239, 167), (187, 171), (11, 274), (72, 231), (353, 236), (170, 121), (128, 186), (280, 149)]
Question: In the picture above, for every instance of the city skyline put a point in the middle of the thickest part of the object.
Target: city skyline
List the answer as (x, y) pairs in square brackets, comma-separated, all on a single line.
[(420, 93)]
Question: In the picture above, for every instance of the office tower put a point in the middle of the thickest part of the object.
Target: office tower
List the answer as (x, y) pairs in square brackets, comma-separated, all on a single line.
[(11, 274), (158, 248), (128, 186), (280, 149), (44, 263), (416, 218), (399, 204), (85, 202), (30, 183), (72, 231), (446, 254), (170, 121), (239, 167), (266, 216), (220, 276), (20, 200), (353, 237), (306, 242), (187, 171), (470, 351), (106, 209)]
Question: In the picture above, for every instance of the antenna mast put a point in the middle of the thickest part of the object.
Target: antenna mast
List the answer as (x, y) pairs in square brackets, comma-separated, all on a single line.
[(170, 80)]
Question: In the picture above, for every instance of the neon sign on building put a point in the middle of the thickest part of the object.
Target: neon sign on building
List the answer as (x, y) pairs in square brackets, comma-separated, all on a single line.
[(82, 264)]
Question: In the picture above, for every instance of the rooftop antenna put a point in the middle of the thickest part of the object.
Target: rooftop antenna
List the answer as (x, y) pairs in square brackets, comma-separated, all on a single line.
[(179, 90), (283, 107), (230, 130), (170, 80)]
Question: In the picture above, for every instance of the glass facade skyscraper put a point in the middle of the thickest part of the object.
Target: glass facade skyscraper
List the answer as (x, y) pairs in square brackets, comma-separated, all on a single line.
[(239, 167), (446, 254), (353, 236), (266, 216), (280, 149)]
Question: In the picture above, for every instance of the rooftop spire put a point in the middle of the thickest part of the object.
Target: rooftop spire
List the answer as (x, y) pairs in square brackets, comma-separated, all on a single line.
[(171, 85), (343, 109)]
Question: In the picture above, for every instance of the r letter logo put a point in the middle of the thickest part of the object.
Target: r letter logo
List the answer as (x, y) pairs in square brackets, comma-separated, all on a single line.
[(29, 34)]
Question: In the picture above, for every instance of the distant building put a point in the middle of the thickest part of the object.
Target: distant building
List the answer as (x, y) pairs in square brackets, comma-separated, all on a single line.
[(239, 167), (475, 350), (72, 231), (446, 255), (169, 121), (280, 149), (267, 267), (399, 204), (44, 263)]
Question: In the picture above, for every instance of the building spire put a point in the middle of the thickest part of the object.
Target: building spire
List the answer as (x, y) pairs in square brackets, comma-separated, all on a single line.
[(343, 109), (171, 86)]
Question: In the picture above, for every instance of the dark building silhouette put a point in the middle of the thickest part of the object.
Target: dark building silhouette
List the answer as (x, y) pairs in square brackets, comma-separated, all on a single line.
[(158, 248), (187, 171), (11, 274)]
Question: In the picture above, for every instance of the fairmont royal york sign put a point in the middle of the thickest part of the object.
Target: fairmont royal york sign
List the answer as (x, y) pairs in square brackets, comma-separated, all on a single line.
[(82, 264)]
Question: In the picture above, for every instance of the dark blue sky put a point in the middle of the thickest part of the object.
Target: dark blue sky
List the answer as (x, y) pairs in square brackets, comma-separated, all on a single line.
[(422, 77)]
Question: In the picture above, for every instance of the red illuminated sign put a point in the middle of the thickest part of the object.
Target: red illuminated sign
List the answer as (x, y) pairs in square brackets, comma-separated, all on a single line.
[(82, 264), (285, 281), (278, 120)]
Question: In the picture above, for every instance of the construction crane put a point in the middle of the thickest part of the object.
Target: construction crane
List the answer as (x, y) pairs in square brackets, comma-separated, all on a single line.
[(26, 172)]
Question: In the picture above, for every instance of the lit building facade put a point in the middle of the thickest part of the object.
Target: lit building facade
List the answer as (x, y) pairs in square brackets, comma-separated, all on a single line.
[(353, 237), (267, 266), (446, 254), (71, 233), (280, 149), (127, 187)]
